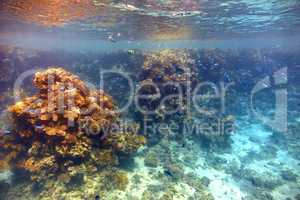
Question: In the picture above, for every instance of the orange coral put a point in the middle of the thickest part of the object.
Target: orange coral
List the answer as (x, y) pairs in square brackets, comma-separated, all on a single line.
[(53, 127), (62, 98), (33, 165), (51, 131)]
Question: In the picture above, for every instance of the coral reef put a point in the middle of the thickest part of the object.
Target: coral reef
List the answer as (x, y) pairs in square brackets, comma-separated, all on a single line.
[(151, 159), (170, 71), (167, 83), (268, 181), (166, 78), (63, 125), (105, 158), (126, 143), (68, 151), (289, 175), (116, 180)]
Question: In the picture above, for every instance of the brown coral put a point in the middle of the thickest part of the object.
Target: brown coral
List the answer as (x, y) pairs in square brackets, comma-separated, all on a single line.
[(33, 165), (126, 143), (62, 99), (53, 127), (116, 180), (104, 158), (3, 165), (170, 71)]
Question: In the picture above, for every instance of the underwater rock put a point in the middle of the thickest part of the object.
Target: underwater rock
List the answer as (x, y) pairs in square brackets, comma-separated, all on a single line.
[(260, 195), (267, 152), (251, 156), (151, 159), (169, 194), (202, 195), (156, 188), (178, 192), (104, 158), (65, 178), (120, 180), (125, 143), (297, 197), (289, 175), (116, 180), (76, 176), (265, 180), (136, 179), (234, 168), (174, 171), (205, 181), (4, 187), (199, 184), (216, 161), (147, 195), (190, 159), (63, 125)]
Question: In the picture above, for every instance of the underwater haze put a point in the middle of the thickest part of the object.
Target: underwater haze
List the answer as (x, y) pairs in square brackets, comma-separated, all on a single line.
[(149, 100)]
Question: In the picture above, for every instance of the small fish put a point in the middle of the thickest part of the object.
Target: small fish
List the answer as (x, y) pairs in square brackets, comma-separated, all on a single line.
[(33, 112), (4, 132), (130, 51), (97, 197), (111, 38), (227, 77), (39, 127), (168, 172)]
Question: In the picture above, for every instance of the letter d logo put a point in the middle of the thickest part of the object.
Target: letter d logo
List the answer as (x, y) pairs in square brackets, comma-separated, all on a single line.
[(279, 122)]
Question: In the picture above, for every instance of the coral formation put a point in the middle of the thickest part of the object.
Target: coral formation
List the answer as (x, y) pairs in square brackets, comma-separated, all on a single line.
[(171, 71), (166, 78), (63, 125), (126, 143), (104, 158), (116, 180), (168, 81), (267, 180), (151, 159)]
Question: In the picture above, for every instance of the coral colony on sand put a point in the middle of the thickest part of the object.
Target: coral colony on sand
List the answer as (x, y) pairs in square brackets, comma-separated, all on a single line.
[(62, 126)]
